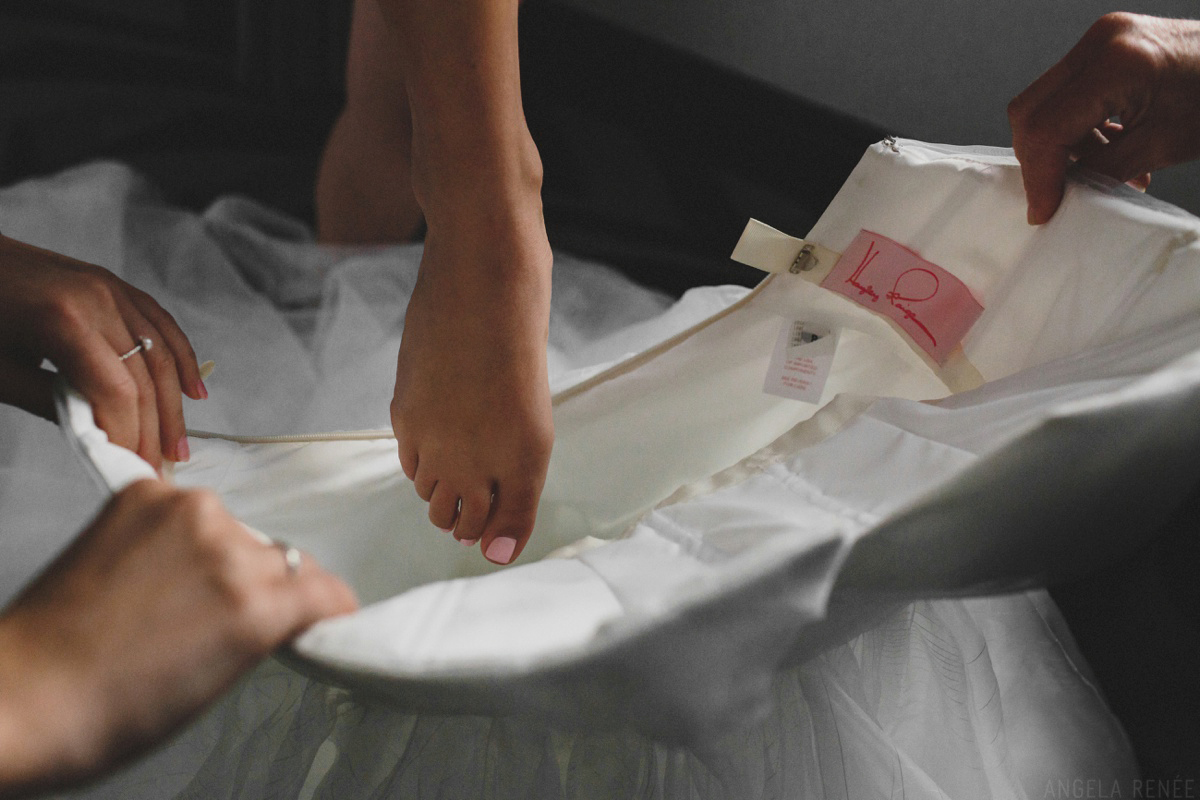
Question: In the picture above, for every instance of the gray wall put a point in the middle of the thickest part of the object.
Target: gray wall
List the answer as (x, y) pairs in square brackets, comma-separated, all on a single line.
[(938, 70)]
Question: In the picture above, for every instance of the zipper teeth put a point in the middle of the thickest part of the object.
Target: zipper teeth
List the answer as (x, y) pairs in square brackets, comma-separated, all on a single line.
[(985, 155)]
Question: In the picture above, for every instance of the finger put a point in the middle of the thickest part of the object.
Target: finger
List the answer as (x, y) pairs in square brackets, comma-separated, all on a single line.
[(1095, 140), (1043, 141), (1141, 182), (149, 445), (162, 368), (514, 511), (88, 361), (1043, 174), (280, 603), (309, 597), (169, 399), (186, 364), (473, 516), (1126, 158), (443, 507)]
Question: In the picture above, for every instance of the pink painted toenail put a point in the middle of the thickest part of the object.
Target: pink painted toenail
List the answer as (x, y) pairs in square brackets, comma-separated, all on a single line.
[(445, 530), (467, 542), (501, 549)]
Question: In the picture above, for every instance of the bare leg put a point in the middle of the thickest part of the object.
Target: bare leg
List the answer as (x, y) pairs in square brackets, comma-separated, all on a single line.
[(438, 81), (364, 186)]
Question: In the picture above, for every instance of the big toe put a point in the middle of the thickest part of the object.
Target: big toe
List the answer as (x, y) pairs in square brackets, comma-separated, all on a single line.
[(509, 527)]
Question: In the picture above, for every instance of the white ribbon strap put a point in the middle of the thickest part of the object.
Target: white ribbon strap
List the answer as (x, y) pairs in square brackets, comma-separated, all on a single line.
[(765, 248)]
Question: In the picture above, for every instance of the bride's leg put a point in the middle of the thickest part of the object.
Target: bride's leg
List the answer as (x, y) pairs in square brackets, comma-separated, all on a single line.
[(364, 189), (434, 129)]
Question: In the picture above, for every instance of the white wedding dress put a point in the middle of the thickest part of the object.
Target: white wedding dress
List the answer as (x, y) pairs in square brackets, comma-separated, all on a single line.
[(729, 593)]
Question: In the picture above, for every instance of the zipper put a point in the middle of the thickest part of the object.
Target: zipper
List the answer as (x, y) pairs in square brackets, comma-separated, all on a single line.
[(615, 371), (339, 436), (986, 155)]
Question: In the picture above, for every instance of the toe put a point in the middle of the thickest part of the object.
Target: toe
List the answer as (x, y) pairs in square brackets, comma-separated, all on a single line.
[(443, 506), (474, 514), (408, 459), (424, 482), (513, 513)]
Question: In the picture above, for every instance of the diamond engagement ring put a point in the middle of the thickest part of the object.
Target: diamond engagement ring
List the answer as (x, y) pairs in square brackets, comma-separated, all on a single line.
[(144, 344)]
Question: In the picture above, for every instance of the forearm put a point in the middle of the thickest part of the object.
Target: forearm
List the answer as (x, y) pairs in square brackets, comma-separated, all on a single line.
[(16, 769), (33, 755), (16, 762), (462, 76)]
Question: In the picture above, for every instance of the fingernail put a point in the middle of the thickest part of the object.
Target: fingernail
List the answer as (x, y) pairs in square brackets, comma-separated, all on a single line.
[(202, 390), (501, 549), (182, 452)]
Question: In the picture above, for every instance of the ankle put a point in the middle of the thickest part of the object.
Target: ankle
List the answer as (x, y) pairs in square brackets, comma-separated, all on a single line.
[(496, 179)]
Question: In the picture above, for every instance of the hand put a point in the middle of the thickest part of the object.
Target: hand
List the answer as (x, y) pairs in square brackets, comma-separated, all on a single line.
[(82, 318), (1144, 71), (472, 404), (151, 614)]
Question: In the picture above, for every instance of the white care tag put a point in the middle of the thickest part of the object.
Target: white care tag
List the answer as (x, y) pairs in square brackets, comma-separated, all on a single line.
[(801, 362)]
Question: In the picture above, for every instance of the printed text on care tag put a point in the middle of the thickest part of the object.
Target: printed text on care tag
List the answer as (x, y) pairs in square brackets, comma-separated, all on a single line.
[(801, 362), (932, 306)]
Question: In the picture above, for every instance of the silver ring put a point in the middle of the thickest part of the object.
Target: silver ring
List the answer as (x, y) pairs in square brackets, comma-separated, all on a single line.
[(291, 556), (145, 343)]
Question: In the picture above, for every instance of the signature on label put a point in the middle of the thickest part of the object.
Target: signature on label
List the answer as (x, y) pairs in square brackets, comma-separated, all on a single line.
[(931, 305), (867, 258), (922, 279)]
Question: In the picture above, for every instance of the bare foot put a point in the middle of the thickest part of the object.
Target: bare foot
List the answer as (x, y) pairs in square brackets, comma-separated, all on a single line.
[(433, 127), (472, 404)]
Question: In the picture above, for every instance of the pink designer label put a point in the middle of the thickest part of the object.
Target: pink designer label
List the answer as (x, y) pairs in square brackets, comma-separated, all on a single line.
[(932, 306)]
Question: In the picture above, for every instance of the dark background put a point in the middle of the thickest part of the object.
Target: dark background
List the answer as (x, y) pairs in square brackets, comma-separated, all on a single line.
[(654, 160)]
